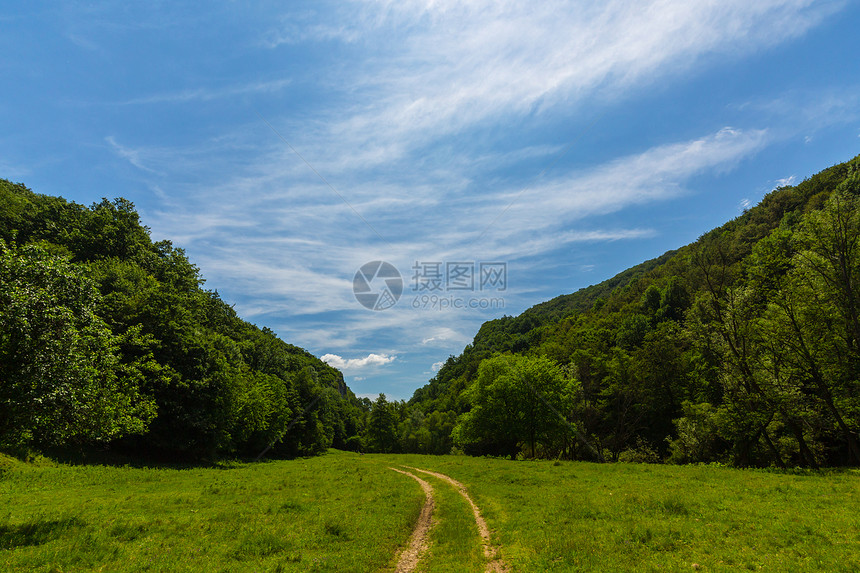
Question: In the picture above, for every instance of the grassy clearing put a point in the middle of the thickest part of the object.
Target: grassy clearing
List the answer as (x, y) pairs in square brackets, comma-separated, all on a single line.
[(568, 516), (344, 512), (332, 513)]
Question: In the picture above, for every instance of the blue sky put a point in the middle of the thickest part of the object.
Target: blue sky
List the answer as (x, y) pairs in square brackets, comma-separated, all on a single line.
[(285, 145)]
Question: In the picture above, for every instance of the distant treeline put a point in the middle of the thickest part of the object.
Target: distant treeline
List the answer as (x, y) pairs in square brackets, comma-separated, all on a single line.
[(108, 338), (742, 348)]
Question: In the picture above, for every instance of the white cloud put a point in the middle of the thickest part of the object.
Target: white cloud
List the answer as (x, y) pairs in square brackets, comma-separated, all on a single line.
[(356, 363), (804, 112), (443, 335), (254, 236), (433, 68), (263, 226), (436, 366), (653, 175), (786, 181), (133, 156)]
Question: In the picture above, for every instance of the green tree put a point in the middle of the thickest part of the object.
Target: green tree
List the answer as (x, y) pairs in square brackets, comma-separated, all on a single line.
[(61, 380), (697, 435), (632, 331), (150, 338), (515, 400), (818, 312), (382, 427)]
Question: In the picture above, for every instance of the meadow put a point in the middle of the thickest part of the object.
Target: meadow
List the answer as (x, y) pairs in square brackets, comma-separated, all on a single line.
[(576, 516), (346, 512), (329, 513)]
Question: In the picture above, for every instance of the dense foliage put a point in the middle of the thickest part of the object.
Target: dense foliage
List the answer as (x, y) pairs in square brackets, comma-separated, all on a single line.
[(109, 338), (743, 347)]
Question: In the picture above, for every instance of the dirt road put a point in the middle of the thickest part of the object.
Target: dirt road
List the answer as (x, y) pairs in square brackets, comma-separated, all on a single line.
[(419, 541)]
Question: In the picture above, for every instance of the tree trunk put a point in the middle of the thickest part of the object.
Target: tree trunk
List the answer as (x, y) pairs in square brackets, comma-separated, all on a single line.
[(773, 449), (805, 453)]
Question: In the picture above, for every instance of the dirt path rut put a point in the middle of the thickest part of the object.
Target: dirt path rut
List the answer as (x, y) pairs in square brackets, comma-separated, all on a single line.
[(418, 543), (420, 539), (494, 562)]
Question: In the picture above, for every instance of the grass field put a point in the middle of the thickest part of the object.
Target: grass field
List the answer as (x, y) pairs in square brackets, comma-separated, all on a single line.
[(344, 512), (330, 513), (570, 516)]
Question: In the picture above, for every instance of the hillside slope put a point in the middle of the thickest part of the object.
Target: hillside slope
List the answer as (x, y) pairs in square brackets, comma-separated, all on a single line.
[(108, 337), (676, 357)]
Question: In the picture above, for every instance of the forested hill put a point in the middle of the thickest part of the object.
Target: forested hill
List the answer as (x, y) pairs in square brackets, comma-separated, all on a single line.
[(107, 337), (743, 347)]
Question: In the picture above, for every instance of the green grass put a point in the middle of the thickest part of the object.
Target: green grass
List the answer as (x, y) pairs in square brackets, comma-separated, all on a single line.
[(344, 512), (454, 541), (332, 513), (572, 516)]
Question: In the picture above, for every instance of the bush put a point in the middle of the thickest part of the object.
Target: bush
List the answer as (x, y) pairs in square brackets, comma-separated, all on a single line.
[(643, 453)]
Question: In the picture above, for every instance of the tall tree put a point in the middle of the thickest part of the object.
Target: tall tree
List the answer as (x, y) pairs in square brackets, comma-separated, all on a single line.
[(382, 427), (515, 401), (60, 378), (818, 312)]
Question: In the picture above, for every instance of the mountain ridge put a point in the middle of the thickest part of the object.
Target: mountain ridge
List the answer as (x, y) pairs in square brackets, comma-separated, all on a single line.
[(605, 326)]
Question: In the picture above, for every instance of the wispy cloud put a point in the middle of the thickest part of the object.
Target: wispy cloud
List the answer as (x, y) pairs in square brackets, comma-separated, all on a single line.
[(287, 243), (291, 259), (436, 68), (399, 132), (786, 181), (809, 109), (443, 335), (203, 94), (655, 174), (133, 156)]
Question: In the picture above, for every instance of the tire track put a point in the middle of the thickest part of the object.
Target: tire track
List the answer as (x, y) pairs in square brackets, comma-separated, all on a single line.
[(420, 539), (494, 561)]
